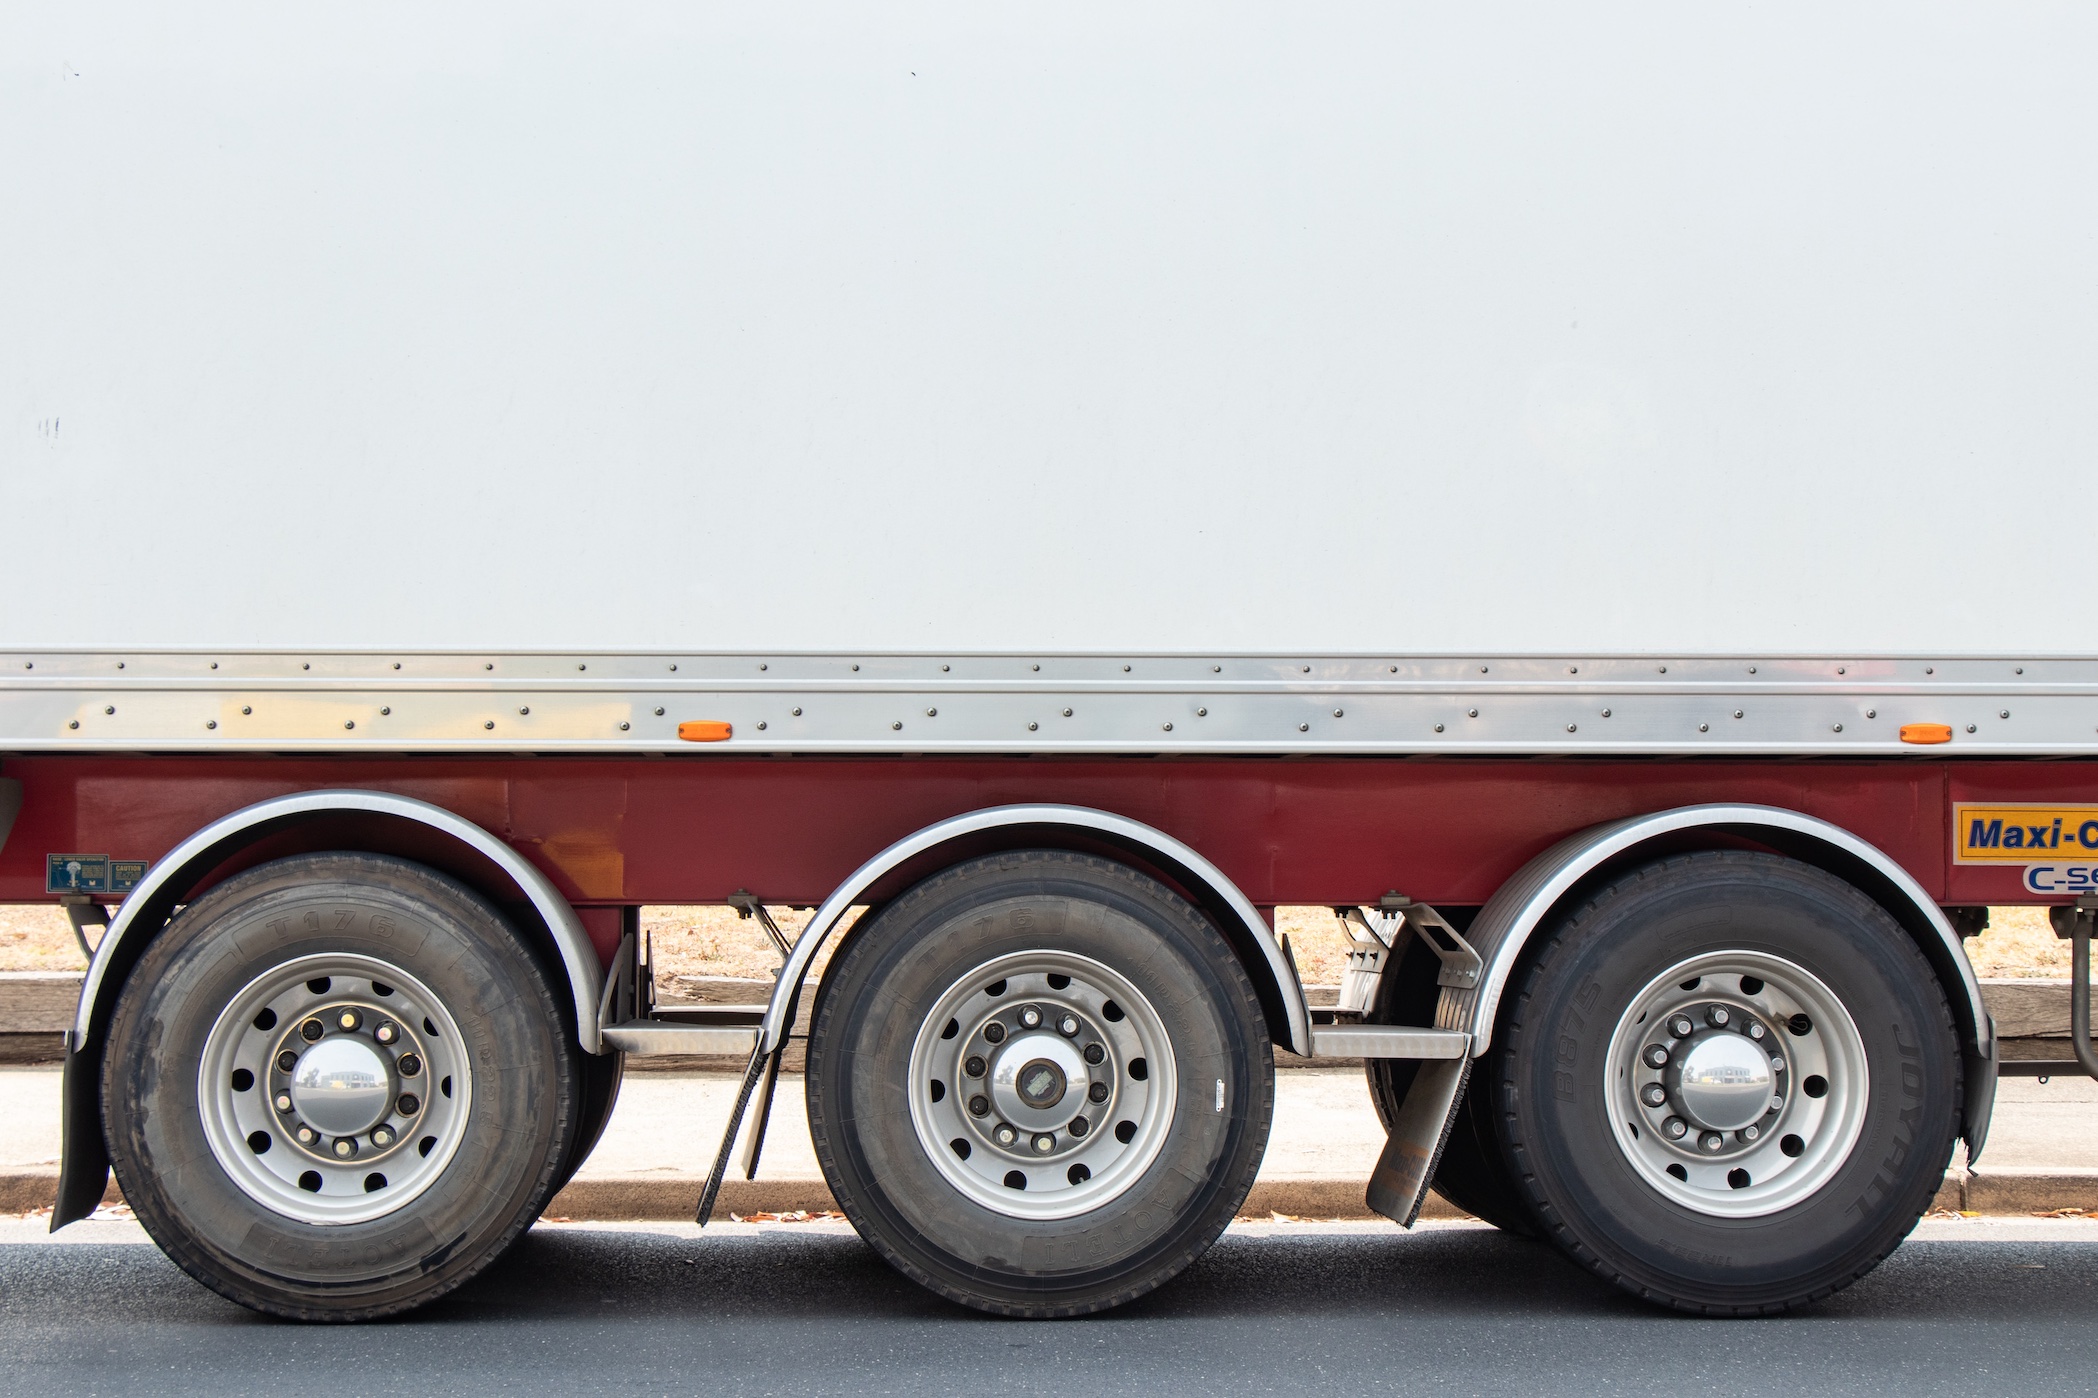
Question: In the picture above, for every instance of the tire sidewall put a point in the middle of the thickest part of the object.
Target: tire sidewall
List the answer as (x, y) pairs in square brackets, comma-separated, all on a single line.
[(519, 1113), (1556, 1084)]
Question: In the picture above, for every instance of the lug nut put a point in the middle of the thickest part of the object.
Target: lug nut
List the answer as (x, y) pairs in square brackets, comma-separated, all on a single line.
[(1067, 1026), (409, 1065), (1097, 1092), (1094, 1054), (286, 1061), (305, 1135), (1717, 1016), (979, 1105), (1750, 1132), (1777, 1063), (311, 1030), (1681, 1027), (1005, 1135), (1675, 1128), (284, 1101), (408, 1104), (1044, 1143), (345, 1147), (1653, 1094), (1078, 1127), (1656, 1056), (974, 1067), (995, 1032), (1030, 1018), (1712, 1140), (348, 1020), (383, 1136), (1755, 1030), (386, 1033)]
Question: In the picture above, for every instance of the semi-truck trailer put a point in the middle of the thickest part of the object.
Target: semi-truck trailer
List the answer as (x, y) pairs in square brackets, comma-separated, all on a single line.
[(1589, 496)]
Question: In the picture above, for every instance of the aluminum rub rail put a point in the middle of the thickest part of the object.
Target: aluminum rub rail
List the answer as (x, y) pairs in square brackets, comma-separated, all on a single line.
[(414, 701)]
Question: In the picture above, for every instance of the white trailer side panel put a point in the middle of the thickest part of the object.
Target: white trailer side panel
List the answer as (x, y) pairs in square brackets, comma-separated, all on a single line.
[(1171, 326)]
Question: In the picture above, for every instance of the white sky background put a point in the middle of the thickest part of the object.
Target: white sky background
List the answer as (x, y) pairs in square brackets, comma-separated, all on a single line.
[(1078, 326)]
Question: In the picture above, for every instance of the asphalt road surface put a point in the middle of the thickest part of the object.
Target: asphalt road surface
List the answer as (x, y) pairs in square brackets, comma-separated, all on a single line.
[(1967, 1309)]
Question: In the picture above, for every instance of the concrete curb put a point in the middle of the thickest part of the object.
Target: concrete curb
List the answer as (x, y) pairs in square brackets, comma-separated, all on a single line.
[(665, 1197)]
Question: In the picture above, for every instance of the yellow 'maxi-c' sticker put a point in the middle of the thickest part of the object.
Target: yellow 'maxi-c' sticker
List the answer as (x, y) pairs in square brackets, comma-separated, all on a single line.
[(2021, 833)]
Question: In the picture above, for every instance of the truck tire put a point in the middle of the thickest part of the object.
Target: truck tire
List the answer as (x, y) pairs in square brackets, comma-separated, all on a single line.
[(1729, 1083), (337, 1086), (1039, 1083)]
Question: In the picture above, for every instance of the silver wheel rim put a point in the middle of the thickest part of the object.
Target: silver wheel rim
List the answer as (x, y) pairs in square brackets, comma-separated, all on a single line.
[(1692, 1126), (1010, 1136), (346, 1124)]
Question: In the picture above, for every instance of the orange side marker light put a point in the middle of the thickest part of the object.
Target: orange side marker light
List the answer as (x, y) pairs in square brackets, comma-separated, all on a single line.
[(1926, 733), (714, 730)]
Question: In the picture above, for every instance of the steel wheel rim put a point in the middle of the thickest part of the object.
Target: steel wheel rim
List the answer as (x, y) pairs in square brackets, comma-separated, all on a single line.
[(395, 1085), (1790, 1150), (1124, 1132)]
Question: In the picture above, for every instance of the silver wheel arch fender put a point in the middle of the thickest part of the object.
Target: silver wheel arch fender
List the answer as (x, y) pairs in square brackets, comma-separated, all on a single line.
[(779, 1012), (578, 956), (1504, 926)]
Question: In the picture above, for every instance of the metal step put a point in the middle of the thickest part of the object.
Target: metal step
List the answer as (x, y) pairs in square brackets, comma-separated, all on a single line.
[(1387, 1041), (654, 1038)]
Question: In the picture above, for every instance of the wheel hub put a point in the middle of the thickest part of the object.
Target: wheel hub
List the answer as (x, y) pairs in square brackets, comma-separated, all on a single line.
[(342, 1086), (1722, 1080), (1031, 1077)]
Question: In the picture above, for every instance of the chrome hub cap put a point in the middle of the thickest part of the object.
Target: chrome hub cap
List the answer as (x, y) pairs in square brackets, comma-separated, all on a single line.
[(1042, 1085), (334, 1089), (1739, 1084)]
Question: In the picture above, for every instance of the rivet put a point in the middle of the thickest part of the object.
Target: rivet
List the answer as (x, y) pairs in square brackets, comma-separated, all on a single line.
[(585, 667), (1664, 669), (1169, 728), (1573, 669), (1737, 713), (797, 712), (349, 723), (1393, 668), (1872, 713), (659, 711), (1839, 728), (943, 669), (215, 665), (120, 665), (673, 669), (396, 665), (762, 665), (1216, 669), (1067, 713), (1930, 669), (74, 724), (489, 724), (110, 709), (1482, 669), (1438, 728), (2018, 670), (1569, 727), (246, 710), (2005, 714), (1751, 669), (525, 710), (211, 723), (932, 713), (1839, 669), (489, 666), (1606, 713), (1303, 728), (1201, 713), (1970, 728), (761, 725), (31, 665), (623, 727), (897, 724), (1704, 728), (1337, 713), (1305, 668), (1031, 667), (1471, 713), (1125, 669), (1032, 726)]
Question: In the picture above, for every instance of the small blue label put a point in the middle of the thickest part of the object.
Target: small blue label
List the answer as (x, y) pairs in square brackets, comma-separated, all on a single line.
[(76, 873)]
